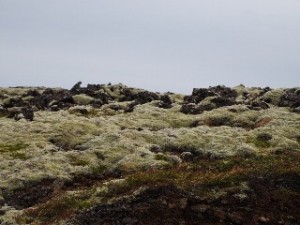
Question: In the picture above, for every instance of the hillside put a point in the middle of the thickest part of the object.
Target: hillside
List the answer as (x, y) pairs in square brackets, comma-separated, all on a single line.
[(111, 154)]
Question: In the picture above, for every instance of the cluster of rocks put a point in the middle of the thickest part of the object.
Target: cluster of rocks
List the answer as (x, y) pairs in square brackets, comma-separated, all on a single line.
[(97, 95), (219, 96), (60, 99), (291, 98), (206, 99), (17, 113)]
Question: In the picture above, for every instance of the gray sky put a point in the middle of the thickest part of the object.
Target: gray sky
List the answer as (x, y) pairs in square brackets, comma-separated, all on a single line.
[(159, 45)]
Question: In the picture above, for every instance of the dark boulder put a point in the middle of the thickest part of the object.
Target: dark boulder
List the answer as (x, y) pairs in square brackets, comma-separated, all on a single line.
[(140, 96), (4, 112), (165, 102), (33, 93), (101, 98), (146, 96), (18, 113), (14, 102), (130, 106), (221, 96), (291, 98), (265, 90), (264, 137), (127, 95), (221, 101), (28, 113), (50, 99), (76, 88), (223, 91), (191, 108), (95, 87), (258, 105), (198, 95)]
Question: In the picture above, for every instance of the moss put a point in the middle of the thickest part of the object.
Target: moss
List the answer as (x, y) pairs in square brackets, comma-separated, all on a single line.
[(161, 156), (262, 144), (98, 169), (13, 147), (218, 117), (66, 142), (76, 161), (223, 182), (83, 111), (57, 208), (20, 155), (217, 121), (177, 98), (15, 150), (151, 178), (74, 135), (82, 99), (273, 96)]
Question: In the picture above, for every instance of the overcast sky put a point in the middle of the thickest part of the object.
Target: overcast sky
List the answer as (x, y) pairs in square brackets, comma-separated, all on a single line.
[(159, 45)]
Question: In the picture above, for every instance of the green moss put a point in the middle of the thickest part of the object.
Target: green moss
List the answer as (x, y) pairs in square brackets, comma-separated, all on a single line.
[(258, 143), (262, 144), (98, 169), (82, 99), (66, 142), (224, 182), (218, 119), (13, 147), (56, 208), (161, 156), (74, 135), (151, 178), (76, 161), (20, 155), (273, 96), (80, 111), (15, 150)]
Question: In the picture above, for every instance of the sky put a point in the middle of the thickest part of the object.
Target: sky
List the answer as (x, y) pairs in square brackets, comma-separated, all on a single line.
[(158, 45)]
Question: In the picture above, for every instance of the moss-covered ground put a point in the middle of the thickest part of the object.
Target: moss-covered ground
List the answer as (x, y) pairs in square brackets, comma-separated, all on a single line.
[(66, 162)]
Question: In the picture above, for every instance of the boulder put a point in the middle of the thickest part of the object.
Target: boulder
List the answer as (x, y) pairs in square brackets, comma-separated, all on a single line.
[(191, 108), (165, 102), (291, 98), (187, 157), (218, 96)]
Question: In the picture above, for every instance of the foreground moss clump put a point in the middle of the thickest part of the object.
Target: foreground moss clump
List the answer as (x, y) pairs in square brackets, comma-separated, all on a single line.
[(15, 150), (97, 146)]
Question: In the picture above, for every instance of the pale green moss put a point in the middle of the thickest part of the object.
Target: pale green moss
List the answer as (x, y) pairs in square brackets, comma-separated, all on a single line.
[(83, 111), (273, 96), (82, 99)]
